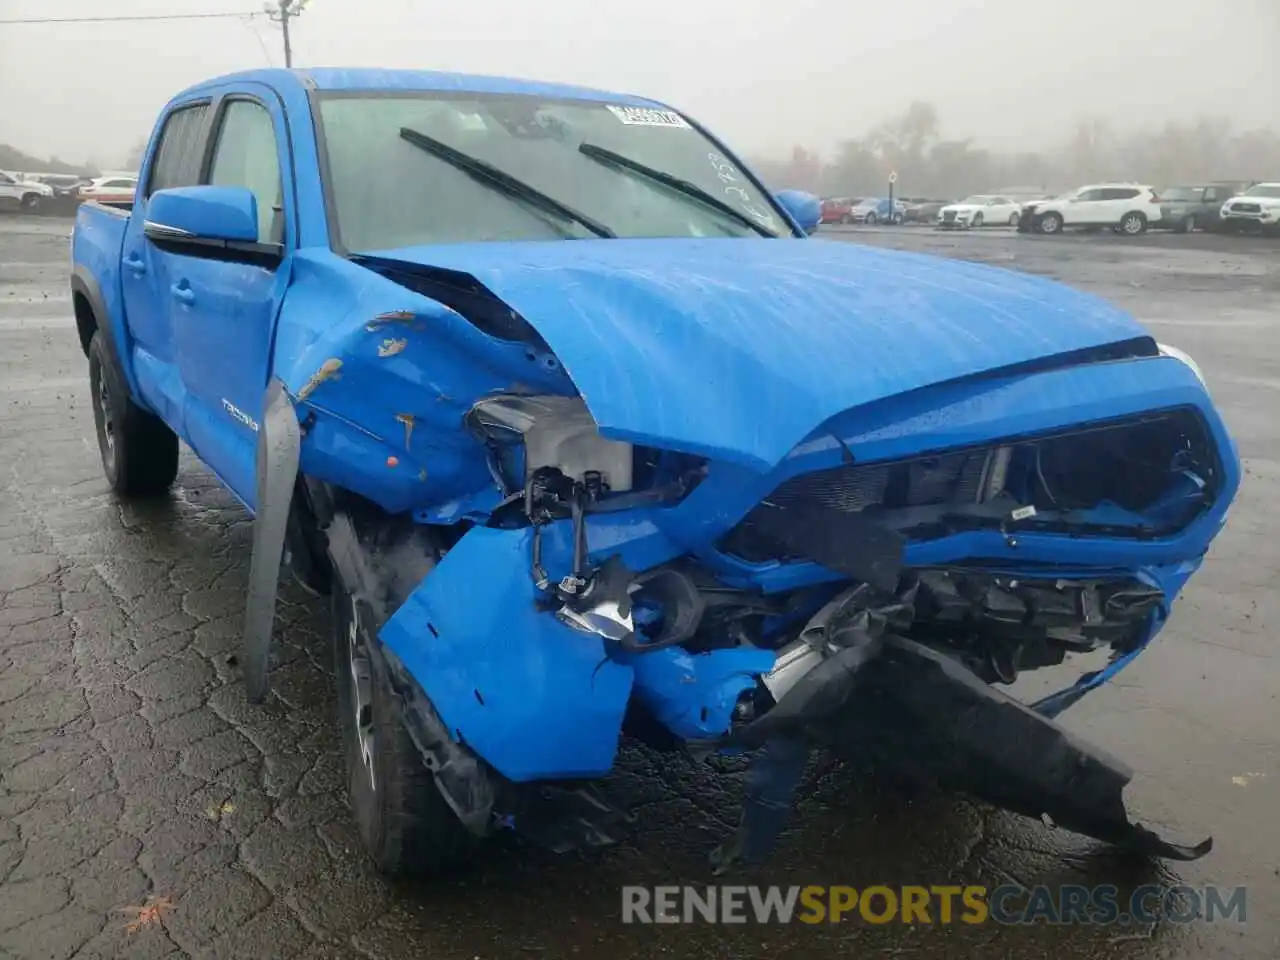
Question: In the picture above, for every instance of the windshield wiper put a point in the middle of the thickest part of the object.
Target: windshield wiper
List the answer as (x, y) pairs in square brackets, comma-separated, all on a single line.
[(604, 155), (503, 182)]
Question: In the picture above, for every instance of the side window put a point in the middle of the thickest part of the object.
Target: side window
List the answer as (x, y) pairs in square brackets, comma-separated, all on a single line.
[(1211, 195), (1117, 193), (5, 178), (177, 158), (1090, 195), (245, 156)]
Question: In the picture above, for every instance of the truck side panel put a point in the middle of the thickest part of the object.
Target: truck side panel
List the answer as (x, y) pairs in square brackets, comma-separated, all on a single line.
[(96, 243)]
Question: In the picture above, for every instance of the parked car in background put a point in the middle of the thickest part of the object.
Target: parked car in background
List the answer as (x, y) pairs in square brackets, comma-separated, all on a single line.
[(1128, 208), (922, 211), (18, 193), (878, 210), (980, 210), (1257, 208), (109, 189), (838, 209), (1196, 206), (64, 184)]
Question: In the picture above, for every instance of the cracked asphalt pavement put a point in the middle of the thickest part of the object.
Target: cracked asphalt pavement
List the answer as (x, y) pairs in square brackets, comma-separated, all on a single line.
[(146, 811)]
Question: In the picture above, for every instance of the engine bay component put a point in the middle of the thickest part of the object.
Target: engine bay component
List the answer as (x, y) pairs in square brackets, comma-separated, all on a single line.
[(557, 433)]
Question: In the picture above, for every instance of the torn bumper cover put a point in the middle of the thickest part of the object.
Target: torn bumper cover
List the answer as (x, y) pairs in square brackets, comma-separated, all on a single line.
[(940, 723)]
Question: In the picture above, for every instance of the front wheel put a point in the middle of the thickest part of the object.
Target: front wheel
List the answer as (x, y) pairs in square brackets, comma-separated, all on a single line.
[(405, 824), (1051, 223), (139, 452), (1188, 225), (872, 219), (977, 220), (1014, 218), (31, 202), (1133, 224)]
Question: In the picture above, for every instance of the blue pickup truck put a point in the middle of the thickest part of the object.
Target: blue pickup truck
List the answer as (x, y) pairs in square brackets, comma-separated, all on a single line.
[(584, 436)]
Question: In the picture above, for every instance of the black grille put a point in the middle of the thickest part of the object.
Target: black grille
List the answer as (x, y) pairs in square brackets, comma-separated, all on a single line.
[(1130, 463), (1246, 208), (949, 215), (929, 481)]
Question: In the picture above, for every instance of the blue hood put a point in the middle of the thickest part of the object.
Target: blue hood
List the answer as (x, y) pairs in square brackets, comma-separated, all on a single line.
[(739, 348)]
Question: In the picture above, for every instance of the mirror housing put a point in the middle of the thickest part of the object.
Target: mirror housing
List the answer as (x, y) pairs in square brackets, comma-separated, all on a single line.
[(218, 223), (805, 209), (227, 214)]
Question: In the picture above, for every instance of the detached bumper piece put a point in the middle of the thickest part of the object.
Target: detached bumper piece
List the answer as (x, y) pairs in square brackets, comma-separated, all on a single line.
[(935, 720)]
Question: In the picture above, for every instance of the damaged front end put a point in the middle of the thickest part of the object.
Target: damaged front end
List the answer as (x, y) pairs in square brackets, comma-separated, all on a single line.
[(818, 539), (591, 602)]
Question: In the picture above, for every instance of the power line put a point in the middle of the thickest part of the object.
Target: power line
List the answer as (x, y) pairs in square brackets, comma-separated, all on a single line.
[(133, 19)]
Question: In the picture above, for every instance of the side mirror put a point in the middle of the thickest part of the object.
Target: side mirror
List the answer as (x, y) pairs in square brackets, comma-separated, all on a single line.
[(220, 223), (805, 209)]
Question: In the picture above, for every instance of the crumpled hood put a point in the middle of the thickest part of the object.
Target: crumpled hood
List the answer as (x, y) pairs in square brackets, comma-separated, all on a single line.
[(739, 348)]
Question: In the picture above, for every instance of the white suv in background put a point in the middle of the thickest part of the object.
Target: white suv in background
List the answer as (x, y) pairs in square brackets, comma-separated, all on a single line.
[(1128, 208), (25, 194), (1259, 206)]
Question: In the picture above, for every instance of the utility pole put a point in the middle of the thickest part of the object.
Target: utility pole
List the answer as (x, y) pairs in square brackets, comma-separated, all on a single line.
[(281, 12)]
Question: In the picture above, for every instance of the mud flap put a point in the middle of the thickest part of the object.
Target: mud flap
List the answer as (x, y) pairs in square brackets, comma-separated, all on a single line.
[(279, 449), (935, 720)]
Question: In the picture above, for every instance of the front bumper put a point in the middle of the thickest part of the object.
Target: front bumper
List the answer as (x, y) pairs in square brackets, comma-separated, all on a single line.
[(1254, 214), (537, 698)]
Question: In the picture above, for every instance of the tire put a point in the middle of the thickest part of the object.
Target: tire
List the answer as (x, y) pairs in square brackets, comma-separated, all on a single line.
[(31, 202), (1051, 223), (139, 452), (977, 220), (846, 218), (1014, 218), (406, 826), (1188, 225), (1132, 224), (872, 219)]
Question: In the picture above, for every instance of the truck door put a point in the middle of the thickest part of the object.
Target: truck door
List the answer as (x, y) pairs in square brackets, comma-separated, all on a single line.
[(224, 311), (174, 161)]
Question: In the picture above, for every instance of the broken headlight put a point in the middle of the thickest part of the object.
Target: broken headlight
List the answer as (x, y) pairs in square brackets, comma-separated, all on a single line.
[(529, 434)]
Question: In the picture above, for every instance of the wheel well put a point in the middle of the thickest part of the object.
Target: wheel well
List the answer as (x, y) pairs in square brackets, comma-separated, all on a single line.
[(86, 320)]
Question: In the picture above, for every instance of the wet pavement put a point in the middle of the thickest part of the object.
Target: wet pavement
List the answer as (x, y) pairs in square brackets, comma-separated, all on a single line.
[(146, 811)]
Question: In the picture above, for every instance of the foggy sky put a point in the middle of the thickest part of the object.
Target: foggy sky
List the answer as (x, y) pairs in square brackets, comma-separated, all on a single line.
[(765, 74)]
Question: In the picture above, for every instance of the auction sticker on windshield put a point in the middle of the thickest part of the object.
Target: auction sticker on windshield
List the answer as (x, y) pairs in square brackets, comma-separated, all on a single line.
[(648, 117)]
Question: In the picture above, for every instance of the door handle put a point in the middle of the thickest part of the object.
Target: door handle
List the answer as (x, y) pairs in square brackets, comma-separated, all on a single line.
[(183, 293), (135, 265)]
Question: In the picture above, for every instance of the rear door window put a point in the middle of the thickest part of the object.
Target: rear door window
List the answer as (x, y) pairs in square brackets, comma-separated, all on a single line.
[(1119, 193), (181, 149)]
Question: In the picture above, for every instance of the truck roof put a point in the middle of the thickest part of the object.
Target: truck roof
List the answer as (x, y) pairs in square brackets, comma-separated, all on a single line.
[(408, 81)]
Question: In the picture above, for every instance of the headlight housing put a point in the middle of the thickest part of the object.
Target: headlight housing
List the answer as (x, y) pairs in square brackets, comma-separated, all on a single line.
[(531, 432), (1168, 351)]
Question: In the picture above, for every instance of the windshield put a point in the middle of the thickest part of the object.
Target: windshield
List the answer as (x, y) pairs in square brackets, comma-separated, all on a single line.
[(386, 192), (1182, 193), (1264, 190), (976, 201)]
